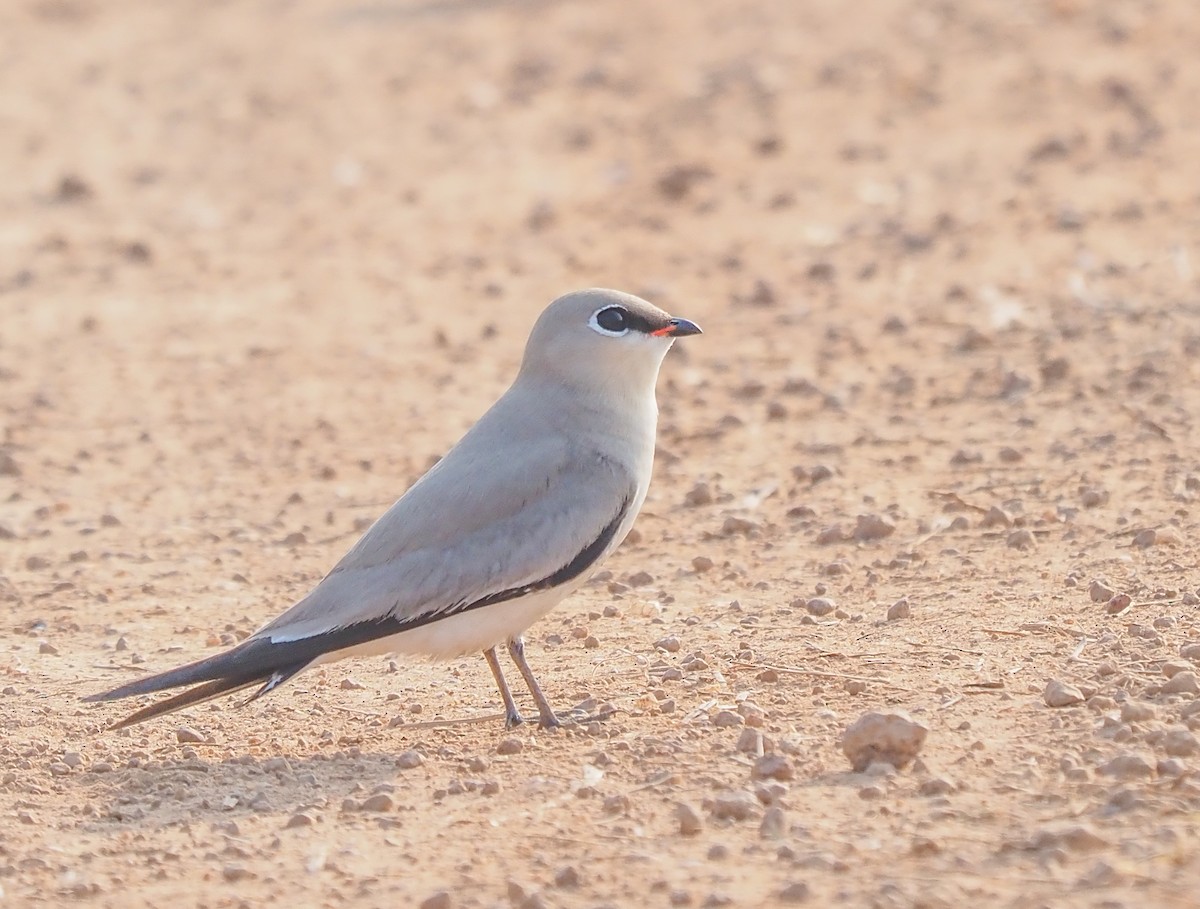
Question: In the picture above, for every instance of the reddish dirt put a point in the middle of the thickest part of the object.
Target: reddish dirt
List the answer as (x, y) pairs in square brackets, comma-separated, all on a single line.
[(261, 263)]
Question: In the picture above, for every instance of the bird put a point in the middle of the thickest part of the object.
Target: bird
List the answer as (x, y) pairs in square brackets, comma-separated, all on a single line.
[(509, 522)]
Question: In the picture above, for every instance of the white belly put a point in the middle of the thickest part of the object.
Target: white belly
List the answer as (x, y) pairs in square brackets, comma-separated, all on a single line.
[(468, 632)]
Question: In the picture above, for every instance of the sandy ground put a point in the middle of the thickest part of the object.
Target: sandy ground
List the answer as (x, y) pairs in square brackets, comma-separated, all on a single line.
[(262, 262)]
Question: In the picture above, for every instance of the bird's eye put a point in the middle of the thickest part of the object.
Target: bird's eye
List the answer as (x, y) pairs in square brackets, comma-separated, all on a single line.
[(612, 319)]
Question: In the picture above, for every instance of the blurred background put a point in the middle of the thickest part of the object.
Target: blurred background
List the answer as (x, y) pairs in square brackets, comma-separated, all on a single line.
[(261, 261)]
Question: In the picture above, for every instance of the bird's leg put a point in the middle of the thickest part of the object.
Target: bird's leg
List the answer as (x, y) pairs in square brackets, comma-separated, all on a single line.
[(516, 650), (512, 716)]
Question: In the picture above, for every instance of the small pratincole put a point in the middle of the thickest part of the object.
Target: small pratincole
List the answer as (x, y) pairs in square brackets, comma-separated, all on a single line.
[(514, 518)]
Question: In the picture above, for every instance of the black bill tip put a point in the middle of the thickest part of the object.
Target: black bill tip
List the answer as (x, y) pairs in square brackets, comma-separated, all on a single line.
[(679, 328)]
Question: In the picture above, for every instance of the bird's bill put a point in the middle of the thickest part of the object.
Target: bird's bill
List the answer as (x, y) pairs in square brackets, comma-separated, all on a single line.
[(677, 328)]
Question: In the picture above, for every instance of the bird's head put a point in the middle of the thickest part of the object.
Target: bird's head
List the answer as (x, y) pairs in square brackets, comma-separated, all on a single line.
[(602, 339)]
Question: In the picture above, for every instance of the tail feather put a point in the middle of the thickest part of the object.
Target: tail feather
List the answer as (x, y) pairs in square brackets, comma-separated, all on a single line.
[(250, 663), (257, 660), (189, 698), (245, 662)]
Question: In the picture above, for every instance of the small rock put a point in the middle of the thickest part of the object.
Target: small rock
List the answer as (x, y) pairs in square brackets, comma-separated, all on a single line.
[(774, 823), (899, 610), (734, 525), (1181, 683), (936, 786), (670, 644), (1180, 743), (698, 495), (379, 802), (439, 900), (869, 527), (567, 877), (1060, 694), (702, 564), (349, 684), (47, 647), (1190, 652), (834, 533), (73, 759), (890, 737), (820, 606), (1127, 766), (1022, 538), (510, 746), (1172, 668), (1171, 767), (1119, 604), (727, 718), (188, 735), (1100, 592), (299, 819), (235, 873), (750, 741), (689, 819), (795, 892), (996, 517), (407, 760), (733, 806), (1077, 838), (773, 767), (1137, 712)]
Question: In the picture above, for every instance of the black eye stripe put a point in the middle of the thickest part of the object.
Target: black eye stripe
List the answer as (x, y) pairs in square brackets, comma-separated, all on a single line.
[(617, 319)]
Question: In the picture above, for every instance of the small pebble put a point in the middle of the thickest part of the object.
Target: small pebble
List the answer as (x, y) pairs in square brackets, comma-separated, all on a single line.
[(567, 877), (795, 892), (870, 527), (996, 517), (439, 900), (1119, 604), (1060, 694), (188, 735), (510, 746), (733, 806), (380, 802), (1021, 538), (299, 819), (899, 610), (834, 533), (1127, 766), (670, 644), (1180, 743), (235, 873), (727, 718), (773, 767), (1182, 683), (750, 741), (1137, 712), (774, 824), (820, 606), (689, 819), (890, 737)]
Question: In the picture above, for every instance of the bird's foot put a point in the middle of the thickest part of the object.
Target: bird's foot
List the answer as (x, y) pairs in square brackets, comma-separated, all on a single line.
[(548, 720), (513, 720)]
